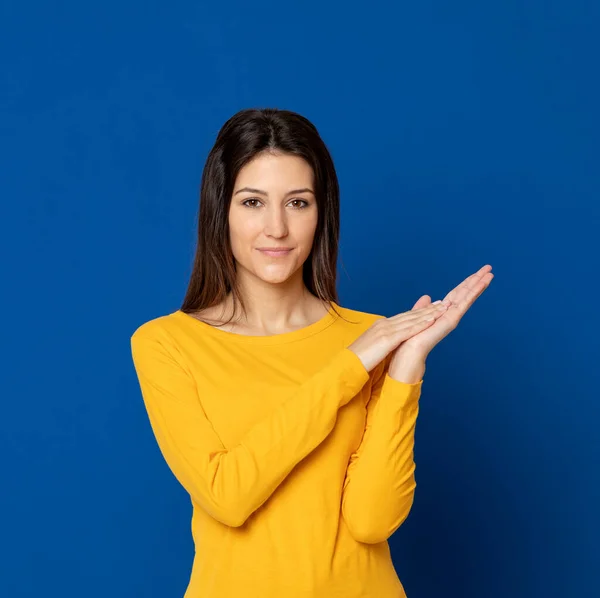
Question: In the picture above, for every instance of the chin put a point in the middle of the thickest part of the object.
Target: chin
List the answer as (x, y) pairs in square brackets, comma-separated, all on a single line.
[(274, 279), (275, 275)]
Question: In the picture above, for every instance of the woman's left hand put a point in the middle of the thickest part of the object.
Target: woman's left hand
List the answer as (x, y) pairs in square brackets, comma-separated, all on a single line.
[(462, 297)]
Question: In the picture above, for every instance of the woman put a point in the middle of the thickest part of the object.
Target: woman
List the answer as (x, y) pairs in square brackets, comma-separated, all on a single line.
[(291, 425)]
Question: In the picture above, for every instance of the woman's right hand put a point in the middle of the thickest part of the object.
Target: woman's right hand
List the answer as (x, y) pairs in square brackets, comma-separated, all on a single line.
[(385, 334)]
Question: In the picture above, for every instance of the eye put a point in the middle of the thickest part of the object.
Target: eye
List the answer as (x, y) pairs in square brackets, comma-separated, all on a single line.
[(250, 199), (303, 201), (245, 203)]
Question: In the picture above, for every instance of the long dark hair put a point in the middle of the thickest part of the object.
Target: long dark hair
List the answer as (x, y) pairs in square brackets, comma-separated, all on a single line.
[(241, 138)]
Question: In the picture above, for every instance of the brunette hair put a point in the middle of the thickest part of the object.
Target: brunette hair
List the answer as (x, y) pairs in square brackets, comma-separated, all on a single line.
[(246, 134)]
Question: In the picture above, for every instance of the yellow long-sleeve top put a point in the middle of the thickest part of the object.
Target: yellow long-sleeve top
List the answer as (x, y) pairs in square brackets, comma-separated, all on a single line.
[(298, 461)]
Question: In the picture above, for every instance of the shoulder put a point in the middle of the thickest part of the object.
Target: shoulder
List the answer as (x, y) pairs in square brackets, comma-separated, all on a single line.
[(365, 318), (353, 322), (161, 328)]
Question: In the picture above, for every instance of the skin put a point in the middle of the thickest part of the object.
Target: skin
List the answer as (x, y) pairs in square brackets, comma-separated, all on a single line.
[(408, 360), (277, 300)]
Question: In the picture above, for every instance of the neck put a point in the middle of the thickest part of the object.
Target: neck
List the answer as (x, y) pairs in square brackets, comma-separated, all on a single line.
[(273, 308)]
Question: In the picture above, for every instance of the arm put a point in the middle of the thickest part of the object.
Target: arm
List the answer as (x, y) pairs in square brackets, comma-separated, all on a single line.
[(231, 483), (380, 483)]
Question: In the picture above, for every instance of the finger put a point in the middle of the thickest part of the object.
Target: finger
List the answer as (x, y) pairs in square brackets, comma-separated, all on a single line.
[(476, 289), (408, 330), (415, 313), (460, 307), (457, 294), (423, 301), (413, 318), (462, 289)]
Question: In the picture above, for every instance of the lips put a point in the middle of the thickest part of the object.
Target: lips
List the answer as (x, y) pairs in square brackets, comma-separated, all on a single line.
[(275, 252)]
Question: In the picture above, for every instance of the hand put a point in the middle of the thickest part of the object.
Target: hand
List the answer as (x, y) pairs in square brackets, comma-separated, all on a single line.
[(462, 297), (385, 334)]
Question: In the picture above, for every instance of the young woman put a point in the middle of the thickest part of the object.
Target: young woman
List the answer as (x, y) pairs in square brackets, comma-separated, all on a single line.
[(288, 419)]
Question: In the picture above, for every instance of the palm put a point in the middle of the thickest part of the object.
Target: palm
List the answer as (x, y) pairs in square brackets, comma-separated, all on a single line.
[(462, 297)]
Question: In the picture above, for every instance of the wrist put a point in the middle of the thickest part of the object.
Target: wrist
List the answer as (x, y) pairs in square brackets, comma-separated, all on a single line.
[(407, 368)]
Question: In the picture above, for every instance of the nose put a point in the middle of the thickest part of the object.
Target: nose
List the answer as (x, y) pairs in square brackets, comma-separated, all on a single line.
[(275, 222)]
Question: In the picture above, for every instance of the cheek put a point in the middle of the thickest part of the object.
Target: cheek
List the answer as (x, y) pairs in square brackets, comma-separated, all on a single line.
[(243, 240), (307, 239), (243, 233), (304, 230)]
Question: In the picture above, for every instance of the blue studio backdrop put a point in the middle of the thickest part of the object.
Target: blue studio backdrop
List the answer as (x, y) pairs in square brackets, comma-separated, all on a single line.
[(464, 133)]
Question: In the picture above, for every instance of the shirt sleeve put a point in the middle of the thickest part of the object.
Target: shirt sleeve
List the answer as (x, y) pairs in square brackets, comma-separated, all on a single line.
[(231, 483), (379, 486)]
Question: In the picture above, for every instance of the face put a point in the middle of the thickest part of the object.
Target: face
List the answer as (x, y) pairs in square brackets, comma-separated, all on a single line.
[(273, 206)]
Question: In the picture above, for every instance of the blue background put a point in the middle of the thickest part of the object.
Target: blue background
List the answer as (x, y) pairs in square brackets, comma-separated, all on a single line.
[(464, 133)]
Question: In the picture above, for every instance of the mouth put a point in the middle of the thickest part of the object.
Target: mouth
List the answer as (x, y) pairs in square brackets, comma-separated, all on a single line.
[(276, 252)]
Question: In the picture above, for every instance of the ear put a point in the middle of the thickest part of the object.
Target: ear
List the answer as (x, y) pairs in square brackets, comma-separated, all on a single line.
[(423, 301)]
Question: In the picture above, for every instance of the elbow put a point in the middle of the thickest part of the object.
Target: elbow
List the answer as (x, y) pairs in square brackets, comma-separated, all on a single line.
[(370, 525), (231, 518), (221, 499), (367, 532), (232, 513)]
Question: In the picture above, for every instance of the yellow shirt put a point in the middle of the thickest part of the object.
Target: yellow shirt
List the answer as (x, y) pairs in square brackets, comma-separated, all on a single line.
[(298, 461)]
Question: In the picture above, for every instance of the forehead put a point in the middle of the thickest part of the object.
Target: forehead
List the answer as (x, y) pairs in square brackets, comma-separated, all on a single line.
[(275, 170)]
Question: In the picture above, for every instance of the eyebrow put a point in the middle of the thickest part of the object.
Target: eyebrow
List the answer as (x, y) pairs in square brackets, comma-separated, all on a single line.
[(252, 190)]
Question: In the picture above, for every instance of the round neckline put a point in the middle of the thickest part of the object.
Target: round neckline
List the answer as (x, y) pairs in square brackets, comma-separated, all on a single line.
[(269, 339)]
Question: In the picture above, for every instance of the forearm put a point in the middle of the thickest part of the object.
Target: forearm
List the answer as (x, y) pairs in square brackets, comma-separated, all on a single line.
[(380, 482), (230, 483), (407, 367)]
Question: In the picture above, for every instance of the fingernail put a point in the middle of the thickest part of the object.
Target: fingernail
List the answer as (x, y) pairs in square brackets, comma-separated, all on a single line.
[(436, 302)]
